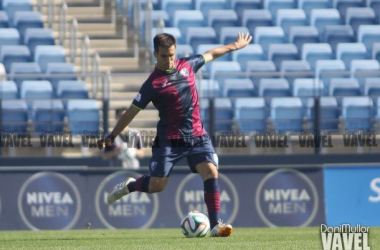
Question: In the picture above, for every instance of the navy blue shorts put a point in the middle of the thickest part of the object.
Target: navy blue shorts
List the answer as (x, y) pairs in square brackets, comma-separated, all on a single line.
[(166, 153)]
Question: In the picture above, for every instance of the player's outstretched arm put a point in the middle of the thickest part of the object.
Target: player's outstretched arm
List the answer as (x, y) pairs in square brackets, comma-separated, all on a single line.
[(124, 121), (242, 41)]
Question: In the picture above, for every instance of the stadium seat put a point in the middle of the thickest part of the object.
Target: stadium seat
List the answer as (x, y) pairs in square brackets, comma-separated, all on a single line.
[(35, 36), (123, 7), (27, 19), (329, 113), (223, 114), (249, 53), (287, 67), (171, 6), (72, 90), (357, 112), (322, 17), (83, 116), (29, 69), (265, 69), (344, 87), (9, 36), (4, 20), (360, 16), (306, 87), (280, 52), (36, 90), (2, 72), (372, 86), (250, 114), (351, 51), (183, 19), (274, 5), (370, 68), (240, 5), (238, 88), (8, 90), (335, 34), (269, 87), (255, 18), (222, 18), (209, 88), (14, 53), (287, 18), (196, 36), (218, 68), (206, 5), (375, 5), (156, 16), (268, 35), (376, 51), (66, 71), (13, 6), (301, 35), (328, 69), (184, 50), (313, 52), (343, 5), (369, 34), (45, 54), (229, 34), (171, 30), (309, 5), (14, 115), (287, 113), (48, 115)]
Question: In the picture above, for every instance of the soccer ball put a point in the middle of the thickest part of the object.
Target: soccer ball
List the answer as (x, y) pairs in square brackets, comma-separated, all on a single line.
[(195, 224)]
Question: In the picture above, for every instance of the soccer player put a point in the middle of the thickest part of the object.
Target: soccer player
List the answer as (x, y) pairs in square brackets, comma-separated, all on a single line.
[(180, 133)]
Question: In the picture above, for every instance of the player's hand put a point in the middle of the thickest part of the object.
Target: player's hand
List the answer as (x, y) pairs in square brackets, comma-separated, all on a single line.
[(243, 40), (107, 142)]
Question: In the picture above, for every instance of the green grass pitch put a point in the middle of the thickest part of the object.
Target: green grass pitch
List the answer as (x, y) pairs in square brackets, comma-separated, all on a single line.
[(242, 238)]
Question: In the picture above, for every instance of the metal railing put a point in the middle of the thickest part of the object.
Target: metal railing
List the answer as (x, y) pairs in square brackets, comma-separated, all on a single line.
[(84, 55), (62, 23), (95, 76), (73, 39)]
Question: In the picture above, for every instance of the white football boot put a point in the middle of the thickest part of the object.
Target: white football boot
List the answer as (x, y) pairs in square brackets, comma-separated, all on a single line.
[(119, 190), (221, 230)]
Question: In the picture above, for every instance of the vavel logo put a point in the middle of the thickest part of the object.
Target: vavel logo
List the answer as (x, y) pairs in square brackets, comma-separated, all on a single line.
[(49, 201), (190, 197), (135, 210), (286, 197)]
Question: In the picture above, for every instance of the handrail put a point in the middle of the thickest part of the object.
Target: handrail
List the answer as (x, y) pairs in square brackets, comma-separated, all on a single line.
[(160, 26), (95, 74), (39, 5), (113, 11), (73, 39), (51, 13), (62, 23), (136, 33), (148, 33), (84, 55)]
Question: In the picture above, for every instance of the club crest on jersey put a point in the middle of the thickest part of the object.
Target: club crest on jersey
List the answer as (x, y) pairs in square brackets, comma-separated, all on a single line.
[(184, 72), (138, 97)]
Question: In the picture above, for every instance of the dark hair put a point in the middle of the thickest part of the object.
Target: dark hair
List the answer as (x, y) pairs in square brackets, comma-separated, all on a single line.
[(164, 40)]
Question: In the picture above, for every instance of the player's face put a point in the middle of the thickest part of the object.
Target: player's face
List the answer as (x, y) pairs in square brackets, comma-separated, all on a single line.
[(165, 57)]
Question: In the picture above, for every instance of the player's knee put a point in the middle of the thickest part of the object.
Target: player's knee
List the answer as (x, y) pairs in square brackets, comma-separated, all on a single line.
[(211, 172), (157, 186)]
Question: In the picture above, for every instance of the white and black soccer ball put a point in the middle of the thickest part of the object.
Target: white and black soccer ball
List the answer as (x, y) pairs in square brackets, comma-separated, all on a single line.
[(195, 224)]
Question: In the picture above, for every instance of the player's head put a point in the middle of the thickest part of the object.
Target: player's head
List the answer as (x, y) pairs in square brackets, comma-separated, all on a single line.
[(164, 50)]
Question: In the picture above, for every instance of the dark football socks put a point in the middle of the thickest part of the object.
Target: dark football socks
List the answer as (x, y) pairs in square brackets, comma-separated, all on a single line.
[(141, 185), (212, 199)]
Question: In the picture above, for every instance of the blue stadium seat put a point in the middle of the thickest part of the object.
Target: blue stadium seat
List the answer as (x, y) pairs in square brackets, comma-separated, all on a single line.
[(329, 113), (9, 36), (370, 68), (250, 114), (280, 52), (328, 69), (122, 7), (36, 90), (335, 34), (183, 19), (287, 18), (309, 5), (369, 34), (27, 19), (301, 35), (29, 69), (344, 87), (223, 114), (45, 54), (4, 20), (72, 90), (272, 87), (14, 53), (313, 52), (306, 87), (184, 49), (322, 17), (360, 16), (230, 34), (36, 36), (222, 18), (48, 115), (375, 5), (260, 67), (240, 5), (342, 5), (170, 6), (209, 88), (197, 36), (256, 18), (8, 90), (274, 5), (156, 16), (171, 30), (376, 51), (287, 113), (218, 68), (206, 5), (205, 47), (66, 71), (295, 66), (268, 35), (14, 115), (372, 86), (13, 6), (357, 112), (351, 51), (249, 53), (238, 88), (83, 116)]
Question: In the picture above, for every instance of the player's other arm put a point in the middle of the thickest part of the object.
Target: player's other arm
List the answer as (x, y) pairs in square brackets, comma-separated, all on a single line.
[(242, 41)]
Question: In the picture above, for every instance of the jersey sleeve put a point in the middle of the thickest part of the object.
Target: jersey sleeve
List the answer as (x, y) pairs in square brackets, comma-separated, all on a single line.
[(196, 62), (145, 95)]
